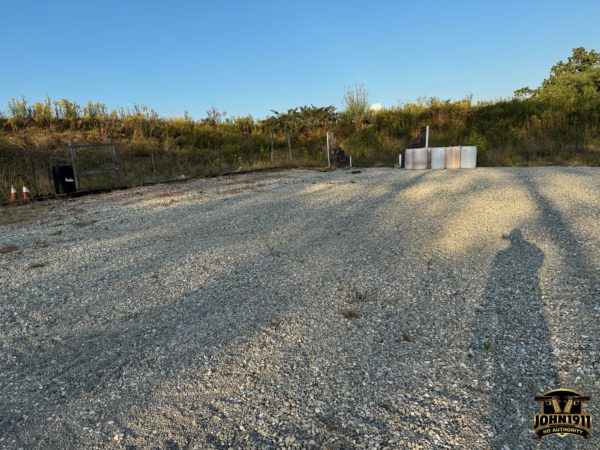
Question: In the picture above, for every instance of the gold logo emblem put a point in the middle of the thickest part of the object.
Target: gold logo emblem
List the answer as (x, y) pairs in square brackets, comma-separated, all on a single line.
[(562, 414)]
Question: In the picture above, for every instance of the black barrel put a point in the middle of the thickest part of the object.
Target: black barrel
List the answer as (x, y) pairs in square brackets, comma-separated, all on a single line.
[(64, 179)]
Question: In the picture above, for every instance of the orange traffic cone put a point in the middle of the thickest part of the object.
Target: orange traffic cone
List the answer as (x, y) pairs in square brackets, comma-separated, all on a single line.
[(25, 194), (13, 194)]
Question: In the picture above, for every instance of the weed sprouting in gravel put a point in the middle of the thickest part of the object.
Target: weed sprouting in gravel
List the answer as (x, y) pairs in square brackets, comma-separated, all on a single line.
[(405, 337), (154, 277), (169, 194), (56, 233), (84, 224), (275, 324), (487, 346), (272, 250), (8, 249), (171, 444), (330, 422), (37, 265), (349, 314), (357, 295)]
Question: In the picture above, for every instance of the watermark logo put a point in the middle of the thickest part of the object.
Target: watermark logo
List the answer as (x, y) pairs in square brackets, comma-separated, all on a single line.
[(562, 414)]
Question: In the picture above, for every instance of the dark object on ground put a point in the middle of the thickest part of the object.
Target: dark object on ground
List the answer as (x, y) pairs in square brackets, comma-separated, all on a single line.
[(339, 159), (64, 179), (355, 172)]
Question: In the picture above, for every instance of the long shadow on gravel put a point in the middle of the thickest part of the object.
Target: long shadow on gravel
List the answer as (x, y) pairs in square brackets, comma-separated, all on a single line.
[(511, 341), (92, 363)]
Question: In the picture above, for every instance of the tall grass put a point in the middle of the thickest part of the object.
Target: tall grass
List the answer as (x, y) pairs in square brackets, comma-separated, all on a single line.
[(557, 124)]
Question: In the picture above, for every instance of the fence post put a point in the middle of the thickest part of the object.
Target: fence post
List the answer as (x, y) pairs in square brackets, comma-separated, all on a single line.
[(48, 170), (113, 151), (328, 149), (35, 186), (272, 146), (73, 152)]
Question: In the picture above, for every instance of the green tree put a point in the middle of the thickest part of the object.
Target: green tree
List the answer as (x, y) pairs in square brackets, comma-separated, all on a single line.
[(580, 61), (576, 78)]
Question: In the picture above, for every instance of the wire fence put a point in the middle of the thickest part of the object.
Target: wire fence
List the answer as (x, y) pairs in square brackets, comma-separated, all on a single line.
[(105, 166)]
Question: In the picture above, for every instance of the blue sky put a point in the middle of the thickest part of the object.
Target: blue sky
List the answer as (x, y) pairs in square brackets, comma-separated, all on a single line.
[(248, 57)]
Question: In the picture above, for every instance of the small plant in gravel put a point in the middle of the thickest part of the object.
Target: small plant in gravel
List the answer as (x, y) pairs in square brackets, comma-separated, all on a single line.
[(357, 295), (349, 314), (487, 346), (84, 224), (272, 251), (330, 422), (275, 324), (8, 249), (405, 337), (169, 194), (37, 265)]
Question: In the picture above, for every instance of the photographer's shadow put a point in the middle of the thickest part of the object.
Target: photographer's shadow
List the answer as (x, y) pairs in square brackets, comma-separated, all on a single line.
[(511, 341)]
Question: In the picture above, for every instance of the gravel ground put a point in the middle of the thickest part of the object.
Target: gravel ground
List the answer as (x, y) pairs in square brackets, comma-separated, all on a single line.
[(298, 309)]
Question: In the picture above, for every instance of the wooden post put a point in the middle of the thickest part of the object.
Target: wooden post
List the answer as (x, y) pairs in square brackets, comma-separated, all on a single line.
[(272, 146), (73, 152), (113, 151), (153, 165), (289, 139), (328, 150)]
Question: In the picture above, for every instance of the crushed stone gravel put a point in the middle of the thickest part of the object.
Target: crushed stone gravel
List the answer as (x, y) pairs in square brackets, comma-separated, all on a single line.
[(301, 309)]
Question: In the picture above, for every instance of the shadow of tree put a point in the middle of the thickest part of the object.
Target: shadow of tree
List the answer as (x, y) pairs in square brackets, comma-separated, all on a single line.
[(575, 296), (91, 362)]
